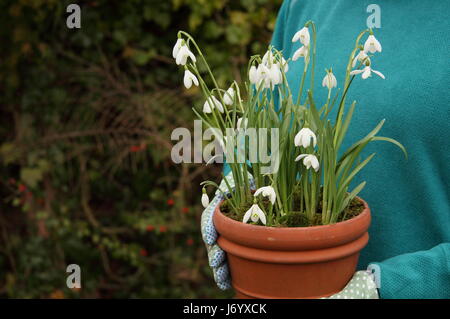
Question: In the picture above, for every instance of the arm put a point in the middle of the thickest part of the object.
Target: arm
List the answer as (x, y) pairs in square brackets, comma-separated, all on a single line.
[(423, 274)]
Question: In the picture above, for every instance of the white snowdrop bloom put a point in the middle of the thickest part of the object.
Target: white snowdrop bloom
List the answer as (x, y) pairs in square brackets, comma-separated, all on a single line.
[(303, 52), (228, 97), (189, 78), (309, 160), (267, 191), (361, 57), (372, 45), (275, 75), (205, 199), (329, 80), (211, 103), (367, 72), (253, 75), (302, 35), (254, 213), (241, 125), (263, 74), (304, 137), (177, 47), (183, 54), (268, 57), (283, 65)]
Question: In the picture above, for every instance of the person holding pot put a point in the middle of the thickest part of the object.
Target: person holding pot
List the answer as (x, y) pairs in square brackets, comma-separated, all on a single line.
[(409, 246)]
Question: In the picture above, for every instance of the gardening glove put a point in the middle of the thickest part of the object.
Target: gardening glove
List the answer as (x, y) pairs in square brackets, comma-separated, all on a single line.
[(361, 286), (216, 256)]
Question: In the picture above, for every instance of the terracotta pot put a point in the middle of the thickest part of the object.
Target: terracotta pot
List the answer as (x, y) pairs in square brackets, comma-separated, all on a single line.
[(291, 262)]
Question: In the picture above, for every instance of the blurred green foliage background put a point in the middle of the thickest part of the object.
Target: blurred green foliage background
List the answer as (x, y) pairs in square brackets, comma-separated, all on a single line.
[(86, 116)]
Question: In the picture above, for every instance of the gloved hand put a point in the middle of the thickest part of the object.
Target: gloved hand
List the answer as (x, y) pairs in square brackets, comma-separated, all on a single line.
[(216, 256), (361, 286)]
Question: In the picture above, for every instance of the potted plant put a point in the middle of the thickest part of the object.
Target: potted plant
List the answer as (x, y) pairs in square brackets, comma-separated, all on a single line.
[(293, 228)]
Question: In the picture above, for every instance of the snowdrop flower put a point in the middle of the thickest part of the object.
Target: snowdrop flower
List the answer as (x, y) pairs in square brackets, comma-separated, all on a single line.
[(329, 80), (183, 54), (302, 35), (304, 137), (270, 76), (309, 160), (189, 78), (239, 123), (255, 213), (283, 65), (177, 47), (263, 75), (372, 45), (253, 75), (303, 52), (361, 57), (267, 191), (205, 198), (268, 58), (228, 97), (211, 103), (367, 72), (275, 75)]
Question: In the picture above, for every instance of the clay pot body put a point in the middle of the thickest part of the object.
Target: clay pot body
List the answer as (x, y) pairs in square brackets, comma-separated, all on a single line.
[(291, 262)]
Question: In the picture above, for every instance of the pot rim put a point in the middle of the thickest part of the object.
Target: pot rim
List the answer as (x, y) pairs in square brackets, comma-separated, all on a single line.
[(292, 238)]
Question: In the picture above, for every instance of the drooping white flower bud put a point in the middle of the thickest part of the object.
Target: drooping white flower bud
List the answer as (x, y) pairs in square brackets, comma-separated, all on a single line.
[(329, 80), (228, 97), (303, 52), (253, 75), (361, 57), (211, 103), (302, 35), (267, 191), (304, 137), (183, 54), (372, 45), (176, 47), (309, 160), (241, 125), (255, 213), (205, 198), (189, 78)]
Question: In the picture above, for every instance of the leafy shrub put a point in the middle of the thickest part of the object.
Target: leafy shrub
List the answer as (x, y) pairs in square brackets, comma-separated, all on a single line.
[(86, 116)]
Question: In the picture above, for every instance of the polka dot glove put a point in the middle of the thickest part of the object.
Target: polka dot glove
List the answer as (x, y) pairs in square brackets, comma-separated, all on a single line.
[(361, 286), (216, 256)]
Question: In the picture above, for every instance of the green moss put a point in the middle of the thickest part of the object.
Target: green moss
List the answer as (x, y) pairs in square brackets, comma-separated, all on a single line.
[(296, 218)]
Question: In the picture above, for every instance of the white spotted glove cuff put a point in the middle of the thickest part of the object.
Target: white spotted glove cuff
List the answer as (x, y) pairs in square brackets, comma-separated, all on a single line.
[(361, 286)]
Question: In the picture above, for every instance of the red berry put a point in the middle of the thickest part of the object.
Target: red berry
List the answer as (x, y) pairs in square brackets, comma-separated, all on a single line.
[(170, 202), (150, 228), (143, 252), (185, 210), (162, 229), (190, 242), (22, 188)]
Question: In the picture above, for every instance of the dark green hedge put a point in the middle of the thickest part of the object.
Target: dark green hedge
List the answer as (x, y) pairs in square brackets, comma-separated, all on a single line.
[(86, 116)]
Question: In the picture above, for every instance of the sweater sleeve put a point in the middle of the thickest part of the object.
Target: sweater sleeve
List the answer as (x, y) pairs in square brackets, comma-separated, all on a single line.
[(418, 275)]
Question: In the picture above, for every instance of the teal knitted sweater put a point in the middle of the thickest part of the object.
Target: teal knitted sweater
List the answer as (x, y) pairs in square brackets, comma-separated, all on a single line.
[(409, 199), (410, 231)]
